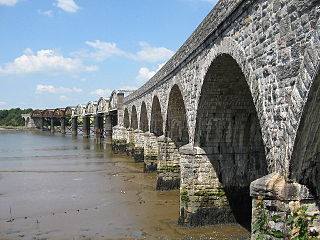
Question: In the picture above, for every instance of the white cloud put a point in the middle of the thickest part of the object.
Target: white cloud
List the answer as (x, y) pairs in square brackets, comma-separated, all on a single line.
[(44, 61), (145, 73), (102, 92), (8, 2), (63, 98), (67, 5), (209, 1), (152, 54), (55, 90), (77, 90), (51, 89), (48, 13), (131, 88), (105, 50), (2, 103)]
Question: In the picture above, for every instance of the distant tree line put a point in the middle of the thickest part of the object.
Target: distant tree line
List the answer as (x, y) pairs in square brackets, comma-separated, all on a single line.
[(13, 117)]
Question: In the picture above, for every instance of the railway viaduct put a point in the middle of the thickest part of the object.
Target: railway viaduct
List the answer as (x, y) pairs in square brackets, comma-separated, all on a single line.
[(237, 105), (232, 119)]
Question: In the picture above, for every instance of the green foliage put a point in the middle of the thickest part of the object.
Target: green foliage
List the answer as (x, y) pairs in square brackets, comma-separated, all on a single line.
[(13, 117), (262, 224), (175, 168), (299, 223), (151, 157), (184, 196)]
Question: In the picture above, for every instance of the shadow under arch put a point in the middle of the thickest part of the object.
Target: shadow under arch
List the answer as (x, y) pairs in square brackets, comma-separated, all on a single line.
[(228, 131), (176, 122), (156, 123), (305, 162), (126, 121), (134, 118), (144, 126)]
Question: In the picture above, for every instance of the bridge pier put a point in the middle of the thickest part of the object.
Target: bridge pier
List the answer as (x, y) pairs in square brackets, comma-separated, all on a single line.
[(97, 129), (138, 151), (119, 139), (86, 126), (52, 130), (130, 142), (275, 201), (168, 167), (63, 126), (74, 125), (41, 124), (108, 125), (150, 152), (203, 199)]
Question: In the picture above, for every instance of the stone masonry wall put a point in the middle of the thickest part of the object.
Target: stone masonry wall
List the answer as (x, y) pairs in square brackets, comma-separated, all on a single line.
[(275, 43)]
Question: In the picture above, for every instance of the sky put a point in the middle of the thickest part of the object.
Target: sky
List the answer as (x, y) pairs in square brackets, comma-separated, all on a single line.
[(58, 53)]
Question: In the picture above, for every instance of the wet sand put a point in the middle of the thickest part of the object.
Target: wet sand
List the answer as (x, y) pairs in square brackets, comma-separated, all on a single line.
[(54, 187)]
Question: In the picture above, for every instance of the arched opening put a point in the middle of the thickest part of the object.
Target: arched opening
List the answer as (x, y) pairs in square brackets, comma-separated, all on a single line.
[(134, 118), (144, 118), (176, 124), (305, 164), (156, 125), (126, 121), (228, 130)]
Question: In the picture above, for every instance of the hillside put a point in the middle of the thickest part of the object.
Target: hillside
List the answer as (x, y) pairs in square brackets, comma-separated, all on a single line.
[(12, 117)]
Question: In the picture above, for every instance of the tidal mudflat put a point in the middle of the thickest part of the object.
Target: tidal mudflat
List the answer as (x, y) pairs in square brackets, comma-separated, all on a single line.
[(55, 187)]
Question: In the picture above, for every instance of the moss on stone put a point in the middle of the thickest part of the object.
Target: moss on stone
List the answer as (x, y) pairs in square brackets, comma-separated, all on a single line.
[(184, 196), (175, 168), (150, 157)]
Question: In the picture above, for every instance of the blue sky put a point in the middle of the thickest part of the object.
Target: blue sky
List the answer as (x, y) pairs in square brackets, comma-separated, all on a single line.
[(56, 53)]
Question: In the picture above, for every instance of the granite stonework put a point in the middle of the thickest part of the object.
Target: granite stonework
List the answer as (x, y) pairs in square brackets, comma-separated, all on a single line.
[(247, 80), (168, 166), (138, 151), (277, 199), (150, 152), (119, 140)]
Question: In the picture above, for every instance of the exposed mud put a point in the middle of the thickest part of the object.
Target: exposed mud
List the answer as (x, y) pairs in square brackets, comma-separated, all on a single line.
[(54, 187)]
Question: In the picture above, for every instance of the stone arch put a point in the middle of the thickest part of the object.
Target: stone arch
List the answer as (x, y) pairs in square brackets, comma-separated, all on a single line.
[(228, 130), (305, 164), (134, 118), (156, 123), (176, 122), (126, 121), (26, 121), (144, 118)]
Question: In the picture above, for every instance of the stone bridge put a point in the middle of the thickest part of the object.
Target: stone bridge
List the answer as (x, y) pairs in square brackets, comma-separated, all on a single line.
[(231, 119), (238, 104)]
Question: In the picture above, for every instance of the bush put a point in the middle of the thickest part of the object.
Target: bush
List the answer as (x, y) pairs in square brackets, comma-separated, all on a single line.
[(13, 117)]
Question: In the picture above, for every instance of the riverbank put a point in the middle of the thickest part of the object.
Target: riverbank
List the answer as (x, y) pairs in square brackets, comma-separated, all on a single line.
[(60, 188), (16, 128)]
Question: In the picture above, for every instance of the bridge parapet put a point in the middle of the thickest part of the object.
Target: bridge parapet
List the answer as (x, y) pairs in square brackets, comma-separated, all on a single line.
[(208, 26)]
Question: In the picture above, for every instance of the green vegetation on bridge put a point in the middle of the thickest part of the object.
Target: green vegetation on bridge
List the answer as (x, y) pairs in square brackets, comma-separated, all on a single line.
[(13, 117)]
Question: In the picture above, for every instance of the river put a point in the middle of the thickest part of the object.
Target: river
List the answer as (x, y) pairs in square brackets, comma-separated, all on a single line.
[(63, 187)]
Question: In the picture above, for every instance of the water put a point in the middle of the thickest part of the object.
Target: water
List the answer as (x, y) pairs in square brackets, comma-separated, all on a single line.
[(59, 187)]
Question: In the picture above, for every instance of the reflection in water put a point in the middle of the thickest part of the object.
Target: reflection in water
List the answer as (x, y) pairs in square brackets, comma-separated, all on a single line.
[(54, 187)]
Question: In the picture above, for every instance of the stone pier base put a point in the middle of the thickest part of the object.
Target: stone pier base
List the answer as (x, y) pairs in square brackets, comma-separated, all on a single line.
[(138, 154), (283, 210), (203, 200), (130, 142), (168, 167), (138, 148), (150, 152), (119, 140)]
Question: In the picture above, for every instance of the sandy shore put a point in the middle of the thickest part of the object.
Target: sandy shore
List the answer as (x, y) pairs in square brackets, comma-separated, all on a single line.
[(60, 188)]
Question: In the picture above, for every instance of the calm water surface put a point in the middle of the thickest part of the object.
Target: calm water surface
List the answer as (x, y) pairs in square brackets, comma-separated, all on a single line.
[(55, 187)]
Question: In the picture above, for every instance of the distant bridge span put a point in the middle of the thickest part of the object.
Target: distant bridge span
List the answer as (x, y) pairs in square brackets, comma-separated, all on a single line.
[(233, 115)]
